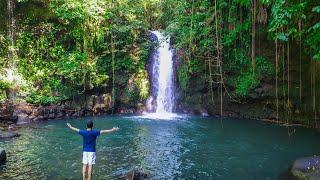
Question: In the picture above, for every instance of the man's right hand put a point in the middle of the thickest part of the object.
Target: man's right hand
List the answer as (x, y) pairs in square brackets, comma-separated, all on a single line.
[(72, 128), (115, 128)]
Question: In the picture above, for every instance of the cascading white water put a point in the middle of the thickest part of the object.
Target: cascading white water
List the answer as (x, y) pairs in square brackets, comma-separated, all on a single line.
[(163, 75), (161, 103)]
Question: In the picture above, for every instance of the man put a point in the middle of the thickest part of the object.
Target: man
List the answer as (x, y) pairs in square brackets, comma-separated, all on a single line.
[(89, 146)]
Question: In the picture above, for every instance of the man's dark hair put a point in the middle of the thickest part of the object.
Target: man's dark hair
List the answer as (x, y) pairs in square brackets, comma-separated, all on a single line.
[(89, 124)]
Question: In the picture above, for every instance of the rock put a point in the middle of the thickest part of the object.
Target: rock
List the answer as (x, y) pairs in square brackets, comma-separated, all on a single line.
[(8, 134), (7, 112), (134, 175), (3, 156), (23, 118), (306, 168), (12, 127), (45, 115), (38, 118), (103, 103), (126, 111), (151, 104), (204, 112), (31, 117), (24, 108), (60, 114), (90, 102), (51, 116), (2, 128), (188, 111)]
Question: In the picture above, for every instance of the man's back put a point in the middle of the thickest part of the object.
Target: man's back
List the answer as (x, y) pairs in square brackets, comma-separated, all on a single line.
[(89, 146), (89, 139)]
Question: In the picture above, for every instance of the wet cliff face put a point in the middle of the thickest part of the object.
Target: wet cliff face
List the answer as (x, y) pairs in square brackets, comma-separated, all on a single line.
[(150, 64), (260, 101)]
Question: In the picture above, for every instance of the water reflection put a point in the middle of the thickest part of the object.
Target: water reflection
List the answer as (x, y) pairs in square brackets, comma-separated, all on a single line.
[(160, 148)]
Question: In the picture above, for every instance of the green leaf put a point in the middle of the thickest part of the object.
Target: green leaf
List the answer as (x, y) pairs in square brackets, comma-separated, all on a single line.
[(282, 37), (316, 9)]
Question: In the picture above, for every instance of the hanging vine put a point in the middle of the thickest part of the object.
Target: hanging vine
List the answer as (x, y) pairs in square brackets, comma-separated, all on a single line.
[(113, 72)]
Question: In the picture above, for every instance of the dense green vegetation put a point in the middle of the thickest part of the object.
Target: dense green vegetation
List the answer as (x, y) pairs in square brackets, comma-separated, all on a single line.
[(67, 48), (64, 49)]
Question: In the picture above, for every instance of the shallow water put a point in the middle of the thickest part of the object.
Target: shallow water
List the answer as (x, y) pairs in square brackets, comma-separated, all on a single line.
[(184, 148)]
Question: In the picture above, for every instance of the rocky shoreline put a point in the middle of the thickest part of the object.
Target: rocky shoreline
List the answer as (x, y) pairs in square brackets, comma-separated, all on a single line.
[(13, 114), (21, 113)]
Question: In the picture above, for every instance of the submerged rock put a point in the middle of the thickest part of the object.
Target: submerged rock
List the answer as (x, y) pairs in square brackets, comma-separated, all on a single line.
[(306, 168), (134, 175), (8, 134), (3, 156)]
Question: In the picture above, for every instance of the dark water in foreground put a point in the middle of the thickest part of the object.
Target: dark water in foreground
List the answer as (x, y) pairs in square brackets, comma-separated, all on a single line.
[(185, 148)]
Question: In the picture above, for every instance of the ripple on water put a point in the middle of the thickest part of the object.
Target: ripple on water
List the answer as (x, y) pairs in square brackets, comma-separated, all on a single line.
[(186, 148)]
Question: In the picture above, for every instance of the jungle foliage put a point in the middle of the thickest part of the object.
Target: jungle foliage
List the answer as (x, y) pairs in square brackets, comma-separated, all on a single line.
[(66, 48)]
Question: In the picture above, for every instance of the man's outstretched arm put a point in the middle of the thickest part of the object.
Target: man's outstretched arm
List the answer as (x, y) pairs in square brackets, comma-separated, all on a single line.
[(72, 128), (109, 130)]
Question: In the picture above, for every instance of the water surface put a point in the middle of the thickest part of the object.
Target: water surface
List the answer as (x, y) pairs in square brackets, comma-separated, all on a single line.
[(184, 148)]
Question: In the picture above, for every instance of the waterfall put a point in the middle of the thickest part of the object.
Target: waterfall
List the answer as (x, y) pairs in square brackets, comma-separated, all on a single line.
[(162, 77), (163, 66)]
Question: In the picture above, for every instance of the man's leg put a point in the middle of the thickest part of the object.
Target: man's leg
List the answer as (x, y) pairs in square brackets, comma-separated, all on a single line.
[(84, 168), (89, 171)]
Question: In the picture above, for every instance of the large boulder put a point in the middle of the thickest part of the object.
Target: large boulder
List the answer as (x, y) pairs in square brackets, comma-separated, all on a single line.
[(307, 168), (3, 156)]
